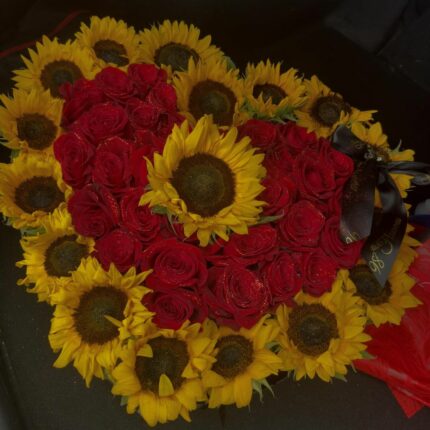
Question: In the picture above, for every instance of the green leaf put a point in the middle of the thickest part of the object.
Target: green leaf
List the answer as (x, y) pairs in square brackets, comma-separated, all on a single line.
[(267, 219), (256, 385), (14, 153), (265, 384), (230, 63), (32, 231), (365, 355), (160, 210), (341, 377)]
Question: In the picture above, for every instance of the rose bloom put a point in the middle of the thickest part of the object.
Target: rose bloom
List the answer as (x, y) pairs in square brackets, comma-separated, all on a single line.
[(145, 77), (102, 121), (163, 95), (262, 133), (314, 176), (120, 248), (78, 98), (139, 220), (300, 229), (75, 155), (346, 255), (319, 272), (235, 296), (295, 138), (115, 84), (283, 278), (279, 193), (94, 210), (175, 264), (174, 307), (260, 244), (111, 164)]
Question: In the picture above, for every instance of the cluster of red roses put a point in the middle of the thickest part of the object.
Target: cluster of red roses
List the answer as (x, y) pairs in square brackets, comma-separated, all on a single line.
[(119, 118)]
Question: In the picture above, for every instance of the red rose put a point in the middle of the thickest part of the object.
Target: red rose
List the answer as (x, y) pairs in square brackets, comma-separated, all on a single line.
[(262, 133), (260, 244), (149, 139), (164, 96), (283, 279), (94, 210), (342, 165), (79, 97), (315, 177), (145, 76), (102, 121), (111, 164), (75, 155), (174, 307), (319, 272), (235, 296), (139, 220), (301, 227), (346, 255), (279, 159), (143, 115), (175, 264), (296, 138), (279, 193), (120, 248), (115, 84)]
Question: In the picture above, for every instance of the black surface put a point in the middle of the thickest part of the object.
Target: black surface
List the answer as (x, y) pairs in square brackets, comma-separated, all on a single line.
[(36, 396)]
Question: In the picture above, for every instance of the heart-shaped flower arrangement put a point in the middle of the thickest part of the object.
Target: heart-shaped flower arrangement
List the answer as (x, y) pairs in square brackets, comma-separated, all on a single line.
[(189, 233)]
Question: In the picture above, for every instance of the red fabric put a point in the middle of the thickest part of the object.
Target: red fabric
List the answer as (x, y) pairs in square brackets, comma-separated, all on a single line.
[(403, 352), (64, 23)]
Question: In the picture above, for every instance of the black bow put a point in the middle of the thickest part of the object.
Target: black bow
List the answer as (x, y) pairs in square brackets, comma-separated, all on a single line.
[(385, 232)]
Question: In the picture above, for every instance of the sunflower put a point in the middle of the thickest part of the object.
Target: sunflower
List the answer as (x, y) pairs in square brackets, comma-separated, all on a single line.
[(322, 335), (31, 187), (209, 181), (210, 89), (52, 256), (94, 313), (172, 44), (54, 64), (159, 373), (382, 303), (243, 360), (111, 42), (30, 121), (272, 93), (324, 110), (373, 135)]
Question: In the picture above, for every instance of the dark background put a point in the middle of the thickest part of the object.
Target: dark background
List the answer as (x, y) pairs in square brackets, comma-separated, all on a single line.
[(374, 52)]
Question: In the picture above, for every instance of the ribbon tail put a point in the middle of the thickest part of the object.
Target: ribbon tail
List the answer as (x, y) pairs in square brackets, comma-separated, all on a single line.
[(358, 201), (382, 246)]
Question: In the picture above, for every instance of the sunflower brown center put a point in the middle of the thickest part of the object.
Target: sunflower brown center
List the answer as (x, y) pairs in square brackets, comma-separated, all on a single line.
[(311, 327), (64, 255), (235, 354), (210, 97), (169, 357), (90, 321), (111, 52), (368, 288), (57, 73), (39, 193), (205, 183), (175, 55), (327, 109), (37, 130), (269, 91)]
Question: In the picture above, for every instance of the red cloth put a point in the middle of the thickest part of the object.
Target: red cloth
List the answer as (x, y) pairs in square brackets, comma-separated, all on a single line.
[(403, 352)]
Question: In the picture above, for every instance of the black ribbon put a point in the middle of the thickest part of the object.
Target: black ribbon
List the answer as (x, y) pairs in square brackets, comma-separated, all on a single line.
[(384, 232)]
